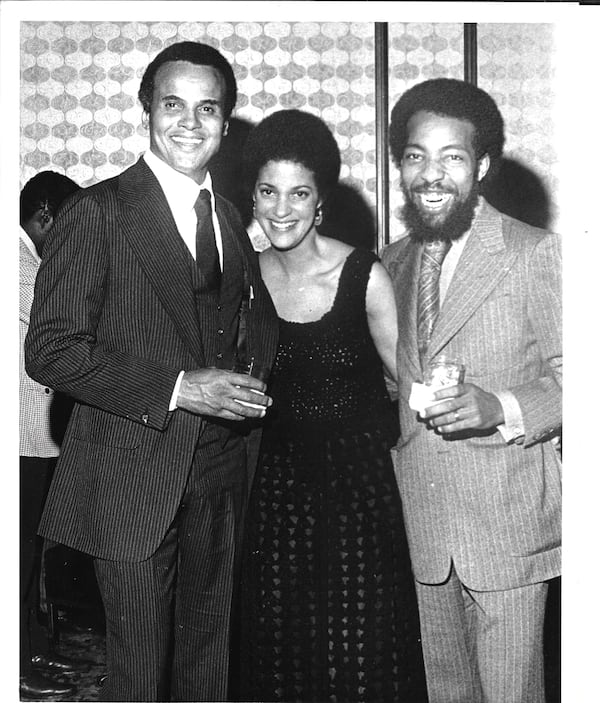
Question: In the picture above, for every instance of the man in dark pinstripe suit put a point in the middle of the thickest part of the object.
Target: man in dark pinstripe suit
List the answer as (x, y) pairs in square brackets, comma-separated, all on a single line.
[(479, 475), (129, 322)]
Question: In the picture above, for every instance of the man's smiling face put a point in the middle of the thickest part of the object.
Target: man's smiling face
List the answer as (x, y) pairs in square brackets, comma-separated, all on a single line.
[(440, 171), (186, 121)]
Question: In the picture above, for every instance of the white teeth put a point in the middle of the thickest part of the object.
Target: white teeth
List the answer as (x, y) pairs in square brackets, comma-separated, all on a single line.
[(282, 226), (433, 199), (187, 140)]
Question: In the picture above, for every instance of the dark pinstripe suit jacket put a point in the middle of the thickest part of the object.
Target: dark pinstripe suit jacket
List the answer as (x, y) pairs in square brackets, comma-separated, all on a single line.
[(493, 508), (113, 322)]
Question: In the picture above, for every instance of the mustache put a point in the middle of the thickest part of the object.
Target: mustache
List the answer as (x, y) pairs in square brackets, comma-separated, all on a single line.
[(433, 189)]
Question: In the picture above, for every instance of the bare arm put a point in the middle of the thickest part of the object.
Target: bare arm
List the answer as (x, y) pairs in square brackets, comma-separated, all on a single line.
[(382, 317)]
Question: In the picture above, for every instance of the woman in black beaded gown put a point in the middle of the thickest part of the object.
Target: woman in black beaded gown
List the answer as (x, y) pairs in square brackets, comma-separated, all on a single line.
[(328, 609)]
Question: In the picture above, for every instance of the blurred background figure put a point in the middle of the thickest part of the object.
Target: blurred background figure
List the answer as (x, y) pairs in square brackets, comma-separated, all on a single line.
[(42, 417)]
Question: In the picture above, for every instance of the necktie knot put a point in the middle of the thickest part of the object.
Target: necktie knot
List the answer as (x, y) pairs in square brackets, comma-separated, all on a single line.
[(202, 204), (436, 251)]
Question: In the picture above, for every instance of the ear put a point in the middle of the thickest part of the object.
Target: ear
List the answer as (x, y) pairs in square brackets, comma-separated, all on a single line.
[(483, 167), (225, 128)]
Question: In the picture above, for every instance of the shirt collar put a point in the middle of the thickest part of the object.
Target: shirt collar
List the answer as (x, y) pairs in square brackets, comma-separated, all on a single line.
[(180, 190), (26, 239)]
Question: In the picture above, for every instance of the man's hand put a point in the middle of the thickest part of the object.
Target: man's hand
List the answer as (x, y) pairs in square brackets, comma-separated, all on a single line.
[(464, 407), (224, 394)]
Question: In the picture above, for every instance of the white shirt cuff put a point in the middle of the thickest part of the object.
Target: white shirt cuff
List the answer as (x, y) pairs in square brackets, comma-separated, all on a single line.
[(512, 429), (173, 403)]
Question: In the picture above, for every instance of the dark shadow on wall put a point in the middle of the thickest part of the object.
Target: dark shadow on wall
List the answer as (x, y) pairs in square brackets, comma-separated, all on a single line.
[(347, 216), (518, 191), (226, 167)]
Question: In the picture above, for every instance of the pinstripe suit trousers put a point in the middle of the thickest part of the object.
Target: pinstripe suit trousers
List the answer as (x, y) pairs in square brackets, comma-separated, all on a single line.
[(168, 617), (482, 646)]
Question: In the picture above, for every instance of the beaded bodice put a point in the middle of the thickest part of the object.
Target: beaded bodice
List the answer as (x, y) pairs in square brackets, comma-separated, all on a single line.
[(329, 370)]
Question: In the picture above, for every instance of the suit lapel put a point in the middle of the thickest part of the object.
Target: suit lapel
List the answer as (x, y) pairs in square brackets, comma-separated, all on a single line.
[(150, 230), (405, 272), (261, 335), (228, 233), (483, 263)]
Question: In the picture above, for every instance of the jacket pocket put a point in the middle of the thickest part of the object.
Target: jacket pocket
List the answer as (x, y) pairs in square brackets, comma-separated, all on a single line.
[(98, 427)]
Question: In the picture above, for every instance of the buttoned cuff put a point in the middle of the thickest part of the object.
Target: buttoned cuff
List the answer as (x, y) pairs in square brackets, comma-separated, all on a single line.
[(173, 403), (512, 429)]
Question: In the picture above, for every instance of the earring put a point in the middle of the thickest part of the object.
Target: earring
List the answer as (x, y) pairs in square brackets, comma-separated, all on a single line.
[(318, 216)]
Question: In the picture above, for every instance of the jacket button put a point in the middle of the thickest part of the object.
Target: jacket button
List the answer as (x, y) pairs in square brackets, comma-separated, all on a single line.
[(145, 418), (220, 331)]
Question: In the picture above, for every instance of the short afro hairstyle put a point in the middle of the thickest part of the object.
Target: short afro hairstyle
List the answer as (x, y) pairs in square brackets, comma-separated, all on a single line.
[(198, 54), (452, 98), (47, 189), (296, 136)]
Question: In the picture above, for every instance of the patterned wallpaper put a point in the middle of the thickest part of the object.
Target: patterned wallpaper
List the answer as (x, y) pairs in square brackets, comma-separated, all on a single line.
[(79, 81), (517, 67), (79, 84)]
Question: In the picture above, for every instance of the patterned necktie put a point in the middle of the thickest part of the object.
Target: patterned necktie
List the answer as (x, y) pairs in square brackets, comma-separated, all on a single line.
[(428, 304), (207, 255)]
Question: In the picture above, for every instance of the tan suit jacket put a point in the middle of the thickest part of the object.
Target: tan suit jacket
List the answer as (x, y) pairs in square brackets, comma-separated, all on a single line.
[(36, 437), (491, 508)]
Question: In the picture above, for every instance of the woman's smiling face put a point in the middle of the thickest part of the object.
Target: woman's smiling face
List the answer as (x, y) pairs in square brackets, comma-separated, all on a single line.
[(286, 200)]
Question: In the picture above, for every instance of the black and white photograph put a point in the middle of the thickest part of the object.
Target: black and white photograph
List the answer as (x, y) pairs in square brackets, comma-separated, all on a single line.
[(290, 402)]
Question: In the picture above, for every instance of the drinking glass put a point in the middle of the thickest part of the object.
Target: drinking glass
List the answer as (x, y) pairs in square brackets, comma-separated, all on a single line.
[(444, 371)]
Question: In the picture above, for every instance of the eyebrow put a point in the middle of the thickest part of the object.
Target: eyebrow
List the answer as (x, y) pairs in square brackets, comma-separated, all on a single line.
[(448, 146), (271, 185), (205, 101)]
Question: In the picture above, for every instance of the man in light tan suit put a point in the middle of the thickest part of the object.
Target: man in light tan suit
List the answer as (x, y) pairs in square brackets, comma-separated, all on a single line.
[(479, 474)]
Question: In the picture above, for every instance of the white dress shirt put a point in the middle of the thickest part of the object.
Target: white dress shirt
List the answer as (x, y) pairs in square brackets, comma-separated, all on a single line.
[(181, 192)]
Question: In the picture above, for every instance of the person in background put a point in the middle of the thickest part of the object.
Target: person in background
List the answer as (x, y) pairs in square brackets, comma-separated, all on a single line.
[(148, 294), (328, 610), (40, 431), (479, 475)]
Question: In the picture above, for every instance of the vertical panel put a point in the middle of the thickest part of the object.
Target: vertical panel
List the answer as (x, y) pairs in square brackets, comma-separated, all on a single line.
[(470, 44), (381, 133)]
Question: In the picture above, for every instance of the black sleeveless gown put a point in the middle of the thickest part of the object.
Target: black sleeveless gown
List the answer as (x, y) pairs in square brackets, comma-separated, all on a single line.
[(328, 609)]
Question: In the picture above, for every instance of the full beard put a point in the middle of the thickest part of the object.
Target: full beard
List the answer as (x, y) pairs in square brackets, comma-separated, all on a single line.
[(457, 221)]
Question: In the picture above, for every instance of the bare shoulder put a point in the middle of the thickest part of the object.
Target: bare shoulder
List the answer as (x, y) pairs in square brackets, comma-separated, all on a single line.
[(380, 283)]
